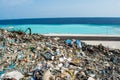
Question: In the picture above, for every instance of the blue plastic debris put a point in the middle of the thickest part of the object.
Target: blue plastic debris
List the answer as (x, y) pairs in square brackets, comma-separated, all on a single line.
[(12, 66), (78, 43), (2, 72), (69, 42), (31, 78)]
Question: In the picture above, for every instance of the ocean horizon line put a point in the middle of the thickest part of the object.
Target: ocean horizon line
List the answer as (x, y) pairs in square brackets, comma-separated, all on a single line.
[(59, 18), (69, 20)]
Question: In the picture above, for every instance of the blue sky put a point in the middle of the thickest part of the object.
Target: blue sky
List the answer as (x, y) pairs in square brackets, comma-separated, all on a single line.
[(14, 9)]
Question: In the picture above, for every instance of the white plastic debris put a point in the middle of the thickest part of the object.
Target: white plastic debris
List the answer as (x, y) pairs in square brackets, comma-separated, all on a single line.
[(60, 65), (61, 59), (14, 74), (92, 75), (52, 57), (90, 78), (39, 66), (69, 59), (106, 63), (58, 51), (38, 48), (6, 31), (57, 38)]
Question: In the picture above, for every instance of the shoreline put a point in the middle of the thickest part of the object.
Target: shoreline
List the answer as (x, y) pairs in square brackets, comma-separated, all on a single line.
[(86, 37), (109, 44), (98, 35), (111, 41)]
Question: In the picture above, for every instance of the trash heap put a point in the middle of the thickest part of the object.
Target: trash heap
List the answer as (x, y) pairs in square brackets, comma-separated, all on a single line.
[(37, 57)]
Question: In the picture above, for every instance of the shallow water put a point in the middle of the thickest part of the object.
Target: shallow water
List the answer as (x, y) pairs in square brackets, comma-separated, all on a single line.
[(68, 28)]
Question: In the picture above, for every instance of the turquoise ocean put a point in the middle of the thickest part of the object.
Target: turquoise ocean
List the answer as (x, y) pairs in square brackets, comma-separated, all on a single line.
[(66, 28)]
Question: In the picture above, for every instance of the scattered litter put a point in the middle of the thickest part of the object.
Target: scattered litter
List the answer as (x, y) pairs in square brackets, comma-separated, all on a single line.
[(37, 57)]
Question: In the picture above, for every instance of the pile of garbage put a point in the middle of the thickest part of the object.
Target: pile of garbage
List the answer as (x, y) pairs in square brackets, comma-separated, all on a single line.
[(37, 57)]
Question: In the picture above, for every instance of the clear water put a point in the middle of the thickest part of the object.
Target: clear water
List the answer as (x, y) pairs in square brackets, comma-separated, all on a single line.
[(68, 29)]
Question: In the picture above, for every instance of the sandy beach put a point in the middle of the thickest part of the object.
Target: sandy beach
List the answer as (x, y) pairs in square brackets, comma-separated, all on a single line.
[(111, 41), (109, 44)]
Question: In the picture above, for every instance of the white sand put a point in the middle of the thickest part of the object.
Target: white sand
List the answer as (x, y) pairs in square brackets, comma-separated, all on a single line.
[(110, 44)]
